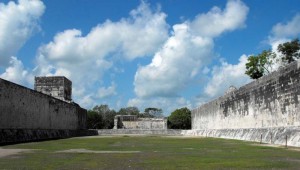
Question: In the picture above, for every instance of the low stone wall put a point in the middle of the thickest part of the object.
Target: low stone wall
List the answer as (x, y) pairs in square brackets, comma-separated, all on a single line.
[(277, 135), (146, 123), (133, 122), (8, 136), (138, 132)]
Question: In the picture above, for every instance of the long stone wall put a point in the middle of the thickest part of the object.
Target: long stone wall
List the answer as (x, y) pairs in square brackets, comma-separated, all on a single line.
[(27, 115), (271, 102), (23, 108), (9, 136)]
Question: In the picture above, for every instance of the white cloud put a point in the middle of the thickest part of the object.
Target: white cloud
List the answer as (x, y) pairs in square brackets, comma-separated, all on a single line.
[(85, 58), (18, 21), (289, 29), (187, 51), (229, 74), (281, 33), (16, 73), (226, 75), (216, 21), (104, 92), (174, 65)]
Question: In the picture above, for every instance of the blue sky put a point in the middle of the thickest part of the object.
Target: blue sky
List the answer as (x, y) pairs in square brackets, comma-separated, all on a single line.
[(166, 54)]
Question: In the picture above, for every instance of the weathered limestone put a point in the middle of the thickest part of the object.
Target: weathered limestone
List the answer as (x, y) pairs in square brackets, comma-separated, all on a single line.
[(165, 132), (270, 102), (56, 86), (26, 110), (133, 122)]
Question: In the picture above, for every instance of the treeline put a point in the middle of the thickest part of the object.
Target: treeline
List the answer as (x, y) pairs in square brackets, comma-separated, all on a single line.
[(102, 117)]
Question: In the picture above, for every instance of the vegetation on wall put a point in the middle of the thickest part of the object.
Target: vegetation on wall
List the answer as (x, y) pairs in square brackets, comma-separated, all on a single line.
[(263, 63)]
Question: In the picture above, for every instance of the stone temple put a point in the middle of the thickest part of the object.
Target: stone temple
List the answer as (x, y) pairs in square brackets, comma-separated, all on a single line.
[(56, 86)]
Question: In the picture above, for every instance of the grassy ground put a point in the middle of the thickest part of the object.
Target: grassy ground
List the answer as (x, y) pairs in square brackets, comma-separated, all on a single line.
[(151, 152)]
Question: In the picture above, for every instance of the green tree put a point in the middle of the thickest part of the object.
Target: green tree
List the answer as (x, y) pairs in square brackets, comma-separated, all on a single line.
[(107, 117), (129, 111), (94, 120), (153, 112), (261, 64), (180, 119), (289, 50)]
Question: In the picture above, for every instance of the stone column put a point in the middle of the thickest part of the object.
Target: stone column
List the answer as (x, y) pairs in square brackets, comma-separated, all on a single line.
[(116, 122)]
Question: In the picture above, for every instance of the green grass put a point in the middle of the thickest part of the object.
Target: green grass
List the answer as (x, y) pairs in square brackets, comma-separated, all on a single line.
[(155, 153)]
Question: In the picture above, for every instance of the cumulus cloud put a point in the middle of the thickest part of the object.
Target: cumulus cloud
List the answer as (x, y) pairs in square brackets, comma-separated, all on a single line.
[(226, 75), (18, 21), (17, 73), (289, 29), (189, 48), (281, 33), (229, 74), (85, 58), (104, 92), (216, 21)]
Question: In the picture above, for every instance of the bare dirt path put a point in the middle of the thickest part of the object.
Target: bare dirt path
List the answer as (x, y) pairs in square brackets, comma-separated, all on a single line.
[(9, 152), (91, 151)]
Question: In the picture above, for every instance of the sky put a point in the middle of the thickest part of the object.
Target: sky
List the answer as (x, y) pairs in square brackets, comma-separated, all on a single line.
[(166, 54)]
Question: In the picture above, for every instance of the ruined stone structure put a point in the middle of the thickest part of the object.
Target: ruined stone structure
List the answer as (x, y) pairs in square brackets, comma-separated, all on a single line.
[(26, 114), (133, 122), (266, 109), (57, 86)]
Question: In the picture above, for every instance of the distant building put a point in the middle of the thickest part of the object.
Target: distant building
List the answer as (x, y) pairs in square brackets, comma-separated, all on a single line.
[(133, 122), (56, 86)]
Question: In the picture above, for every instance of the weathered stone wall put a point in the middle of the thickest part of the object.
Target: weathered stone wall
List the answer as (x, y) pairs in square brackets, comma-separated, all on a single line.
[(133, 122), (271, 101), (23, 108), (8, 136), (146, 123), (57, 86), (289, 136), (172, 132)]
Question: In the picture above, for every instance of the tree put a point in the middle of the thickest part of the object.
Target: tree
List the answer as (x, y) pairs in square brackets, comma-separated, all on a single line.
[(107, 117), (180, 119), (94, 120), (290, 51), (261, 64), (129, 111), (153, 112)]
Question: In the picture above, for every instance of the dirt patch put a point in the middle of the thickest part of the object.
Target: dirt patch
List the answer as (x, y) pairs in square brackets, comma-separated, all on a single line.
[(279, 146), (9, 152), (91, 151), (266, 144)]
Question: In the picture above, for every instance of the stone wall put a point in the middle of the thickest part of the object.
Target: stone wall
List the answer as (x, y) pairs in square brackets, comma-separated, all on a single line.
[(23, 108), (289, 136), (271, 101), (9, 136), (57, 86), (171, 132), (146, 123), (133, 122)]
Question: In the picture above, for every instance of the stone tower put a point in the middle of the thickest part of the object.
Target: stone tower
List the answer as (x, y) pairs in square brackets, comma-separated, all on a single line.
[(57, 86)]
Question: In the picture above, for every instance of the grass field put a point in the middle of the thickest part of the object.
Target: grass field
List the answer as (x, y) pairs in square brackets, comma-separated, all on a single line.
[(147, 152)]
